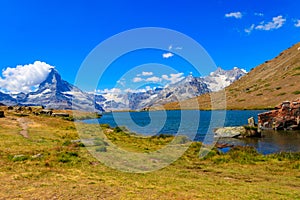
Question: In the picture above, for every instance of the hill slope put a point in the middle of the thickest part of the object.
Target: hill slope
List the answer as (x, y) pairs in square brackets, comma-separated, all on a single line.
[(263, 87)]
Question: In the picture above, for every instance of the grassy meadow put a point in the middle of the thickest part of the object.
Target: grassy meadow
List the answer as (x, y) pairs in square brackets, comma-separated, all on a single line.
[(49, 164)]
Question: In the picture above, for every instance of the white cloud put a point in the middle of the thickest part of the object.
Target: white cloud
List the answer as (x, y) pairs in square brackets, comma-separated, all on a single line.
[(110, 91), (147, 73), (122, 82), (137, 79), (297, 24), (250, 29), (259, 14), (153, 79), (173, 78), (176, 48), (167, 55), (236, 15), (24, 78), (129, 90), (276, 23)]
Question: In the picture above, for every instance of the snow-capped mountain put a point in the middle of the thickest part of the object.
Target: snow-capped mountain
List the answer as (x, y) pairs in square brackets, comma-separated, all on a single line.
[(58, 94), (220, 78), (187, 88)]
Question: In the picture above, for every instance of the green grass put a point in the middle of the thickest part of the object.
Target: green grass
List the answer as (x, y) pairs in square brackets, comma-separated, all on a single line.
[(67, 170)]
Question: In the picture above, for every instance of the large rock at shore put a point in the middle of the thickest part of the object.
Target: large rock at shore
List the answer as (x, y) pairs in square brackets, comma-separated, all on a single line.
[(236, 131), (230, 132)]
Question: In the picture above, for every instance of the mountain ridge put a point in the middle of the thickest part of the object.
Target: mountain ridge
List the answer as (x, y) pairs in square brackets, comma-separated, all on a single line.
[(265, 86)]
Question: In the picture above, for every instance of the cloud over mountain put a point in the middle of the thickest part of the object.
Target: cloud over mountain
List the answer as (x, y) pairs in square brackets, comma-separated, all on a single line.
[(24, 78)]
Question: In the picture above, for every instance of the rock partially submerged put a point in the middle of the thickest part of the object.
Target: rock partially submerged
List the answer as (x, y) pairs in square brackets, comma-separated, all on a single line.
[(229, 132), (236, 132)]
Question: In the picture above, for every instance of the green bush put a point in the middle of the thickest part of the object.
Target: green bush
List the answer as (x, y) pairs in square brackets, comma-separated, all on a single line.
[(66, 157), (296, 92), (281, 94)]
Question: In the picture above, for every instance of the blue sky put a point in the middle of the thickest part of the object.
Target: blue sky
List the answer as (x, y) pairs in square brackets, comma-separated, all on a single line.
[(62, 33)]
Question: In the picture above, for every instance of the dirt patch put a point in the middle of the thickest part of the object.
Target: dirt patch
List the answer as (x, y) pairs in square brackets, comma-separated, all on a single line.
[(23, 122)]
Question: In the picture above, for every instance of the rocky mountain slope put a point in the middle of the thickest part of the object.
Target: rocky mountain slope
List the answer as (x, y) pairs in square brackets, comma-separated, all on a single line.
[(265, 86)]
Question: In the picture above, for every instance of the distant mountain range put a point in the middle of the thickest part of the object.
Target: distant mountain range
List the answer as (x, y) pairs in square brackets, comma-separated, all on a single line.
[(187, 88), (59, 94)]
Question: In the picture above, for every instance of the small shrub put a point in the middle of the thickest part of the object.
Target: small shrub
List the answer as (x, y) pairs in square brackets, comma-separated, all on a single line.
[(281, 94), (278, 88), (118, 129), (18, 158), (259, 94), (101, 149), (66, 157), (69, 118), (296, 92), (240, 100), (67, 143), (162, 136), (297, 68)]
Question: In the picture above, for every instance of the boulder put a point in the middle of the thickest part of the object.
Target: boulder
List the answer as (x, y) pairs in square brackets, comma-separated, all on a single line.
[(1, 113), (237, 132), (230, 132)]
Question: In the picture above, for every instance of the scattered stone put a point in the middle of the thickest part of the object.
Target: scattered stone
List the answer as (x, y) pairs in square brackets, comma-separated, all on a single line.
[(46, 112), (40, 155), (60, 115), (2, 114), (221, 146), (75, 141), (20, 157)]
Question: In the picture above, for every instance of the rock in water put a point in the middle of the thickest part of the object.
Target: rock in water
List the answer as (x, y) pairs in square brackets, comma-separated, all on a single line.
[(230, 132), (237, 131)]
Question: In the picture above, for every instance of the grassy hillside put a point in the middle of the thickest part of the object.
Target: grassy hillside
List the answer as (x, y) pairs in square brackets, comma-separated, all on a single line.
[(47, 165), (265, 86)]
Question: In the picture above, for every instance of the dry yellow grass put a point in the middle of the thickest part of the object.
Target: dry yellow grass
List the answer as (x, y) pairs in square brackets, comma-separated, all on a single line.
[(68, 171)]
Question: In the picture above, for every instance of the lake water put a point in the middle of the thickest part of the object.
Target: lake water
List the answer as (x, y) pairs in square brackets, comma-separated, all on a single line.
[(199, 126)]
